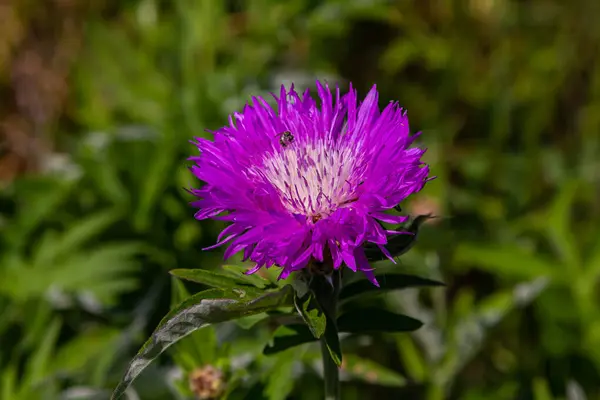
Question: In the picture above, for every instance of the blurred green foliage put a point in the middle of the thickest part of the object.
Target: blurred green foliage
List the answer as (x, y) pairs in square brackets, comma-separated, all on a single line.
[(507, 93)]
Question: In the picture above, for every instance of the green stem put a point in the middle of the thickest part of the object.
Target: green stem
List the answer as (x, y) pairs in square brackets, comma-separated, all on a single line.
[(331, 374), (435, 392), (328, 297)]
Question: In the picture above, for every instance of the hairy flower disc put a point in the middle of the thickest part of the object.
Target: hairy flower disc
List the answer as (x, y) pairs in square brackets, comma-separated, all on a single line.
[(308, 182)]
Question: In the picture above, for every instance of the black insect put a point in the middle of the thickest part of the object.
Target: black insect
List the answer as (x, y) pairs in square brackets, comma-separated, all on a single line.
[(285, 138), (398, 208)]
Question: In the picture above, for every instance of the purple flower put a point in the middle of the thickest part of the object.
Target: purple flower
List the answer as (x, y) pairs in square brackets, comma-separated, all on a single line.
[(308, 182)]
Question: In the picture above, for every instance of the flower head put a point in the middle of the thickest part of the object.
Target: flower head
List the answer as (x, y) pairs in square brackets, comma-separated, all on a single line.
[(206, 382), (308, 182)]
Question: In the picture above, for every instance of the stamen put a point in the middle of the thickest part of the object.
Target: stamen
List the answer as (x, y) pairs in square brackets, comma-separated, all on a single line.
[(324, 178)]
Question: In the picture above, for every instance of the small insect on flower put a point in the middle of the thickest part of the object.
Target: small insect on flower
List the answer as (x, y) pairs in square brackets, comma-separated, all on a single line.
[(285, 138), (315, 206)]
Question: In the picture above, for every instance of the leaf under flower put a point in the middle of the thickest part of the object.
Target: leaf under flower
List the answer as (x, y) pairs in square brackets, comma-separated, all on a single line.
[(200, 310)]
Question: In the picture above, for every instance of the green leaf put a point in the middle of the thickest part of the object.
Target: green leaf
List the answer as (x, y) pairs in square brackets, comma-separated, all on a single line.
[(81, 232), (376, 320), (38, 366), (287, 337), (301, 287), (541, 390), (332, 340), (199, 347), (387, 282), (234, 382), (238, 272), (358, 321), (32, 213), (200, 310), (326, 292), (104, 275), (213, 279), (591, 272), (557, 226), (75, 356), (311, 314), (157, 175), (412, 358), (371, 372), (8, 383), (251, 320), (280, 380), (469, 332), (398, 244)]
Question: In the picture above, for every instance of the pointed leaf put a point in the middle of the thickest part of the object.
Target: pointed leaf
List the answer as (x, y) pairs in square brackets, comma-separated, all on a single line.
[(201, 345), (387, 282), (398, 244), (376, 320), (288, 336), (332, 340), (200, 310), (315, 319), (214, 279), (238, 272), (326, 292)]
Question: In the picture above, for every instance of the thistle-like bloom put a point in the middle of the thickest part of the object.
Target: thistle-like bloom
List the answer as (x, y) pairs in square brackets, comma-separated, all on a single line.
[(308, 182)]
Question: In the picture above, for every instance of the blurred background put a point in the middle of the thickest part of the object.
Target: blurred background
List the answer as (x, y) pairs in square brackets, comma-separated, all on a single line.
[(100, 99)]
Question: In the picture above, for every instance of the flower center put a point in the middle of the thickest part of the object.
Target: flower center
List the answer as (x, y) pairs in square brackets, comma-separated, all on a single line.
[(313, 178)]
